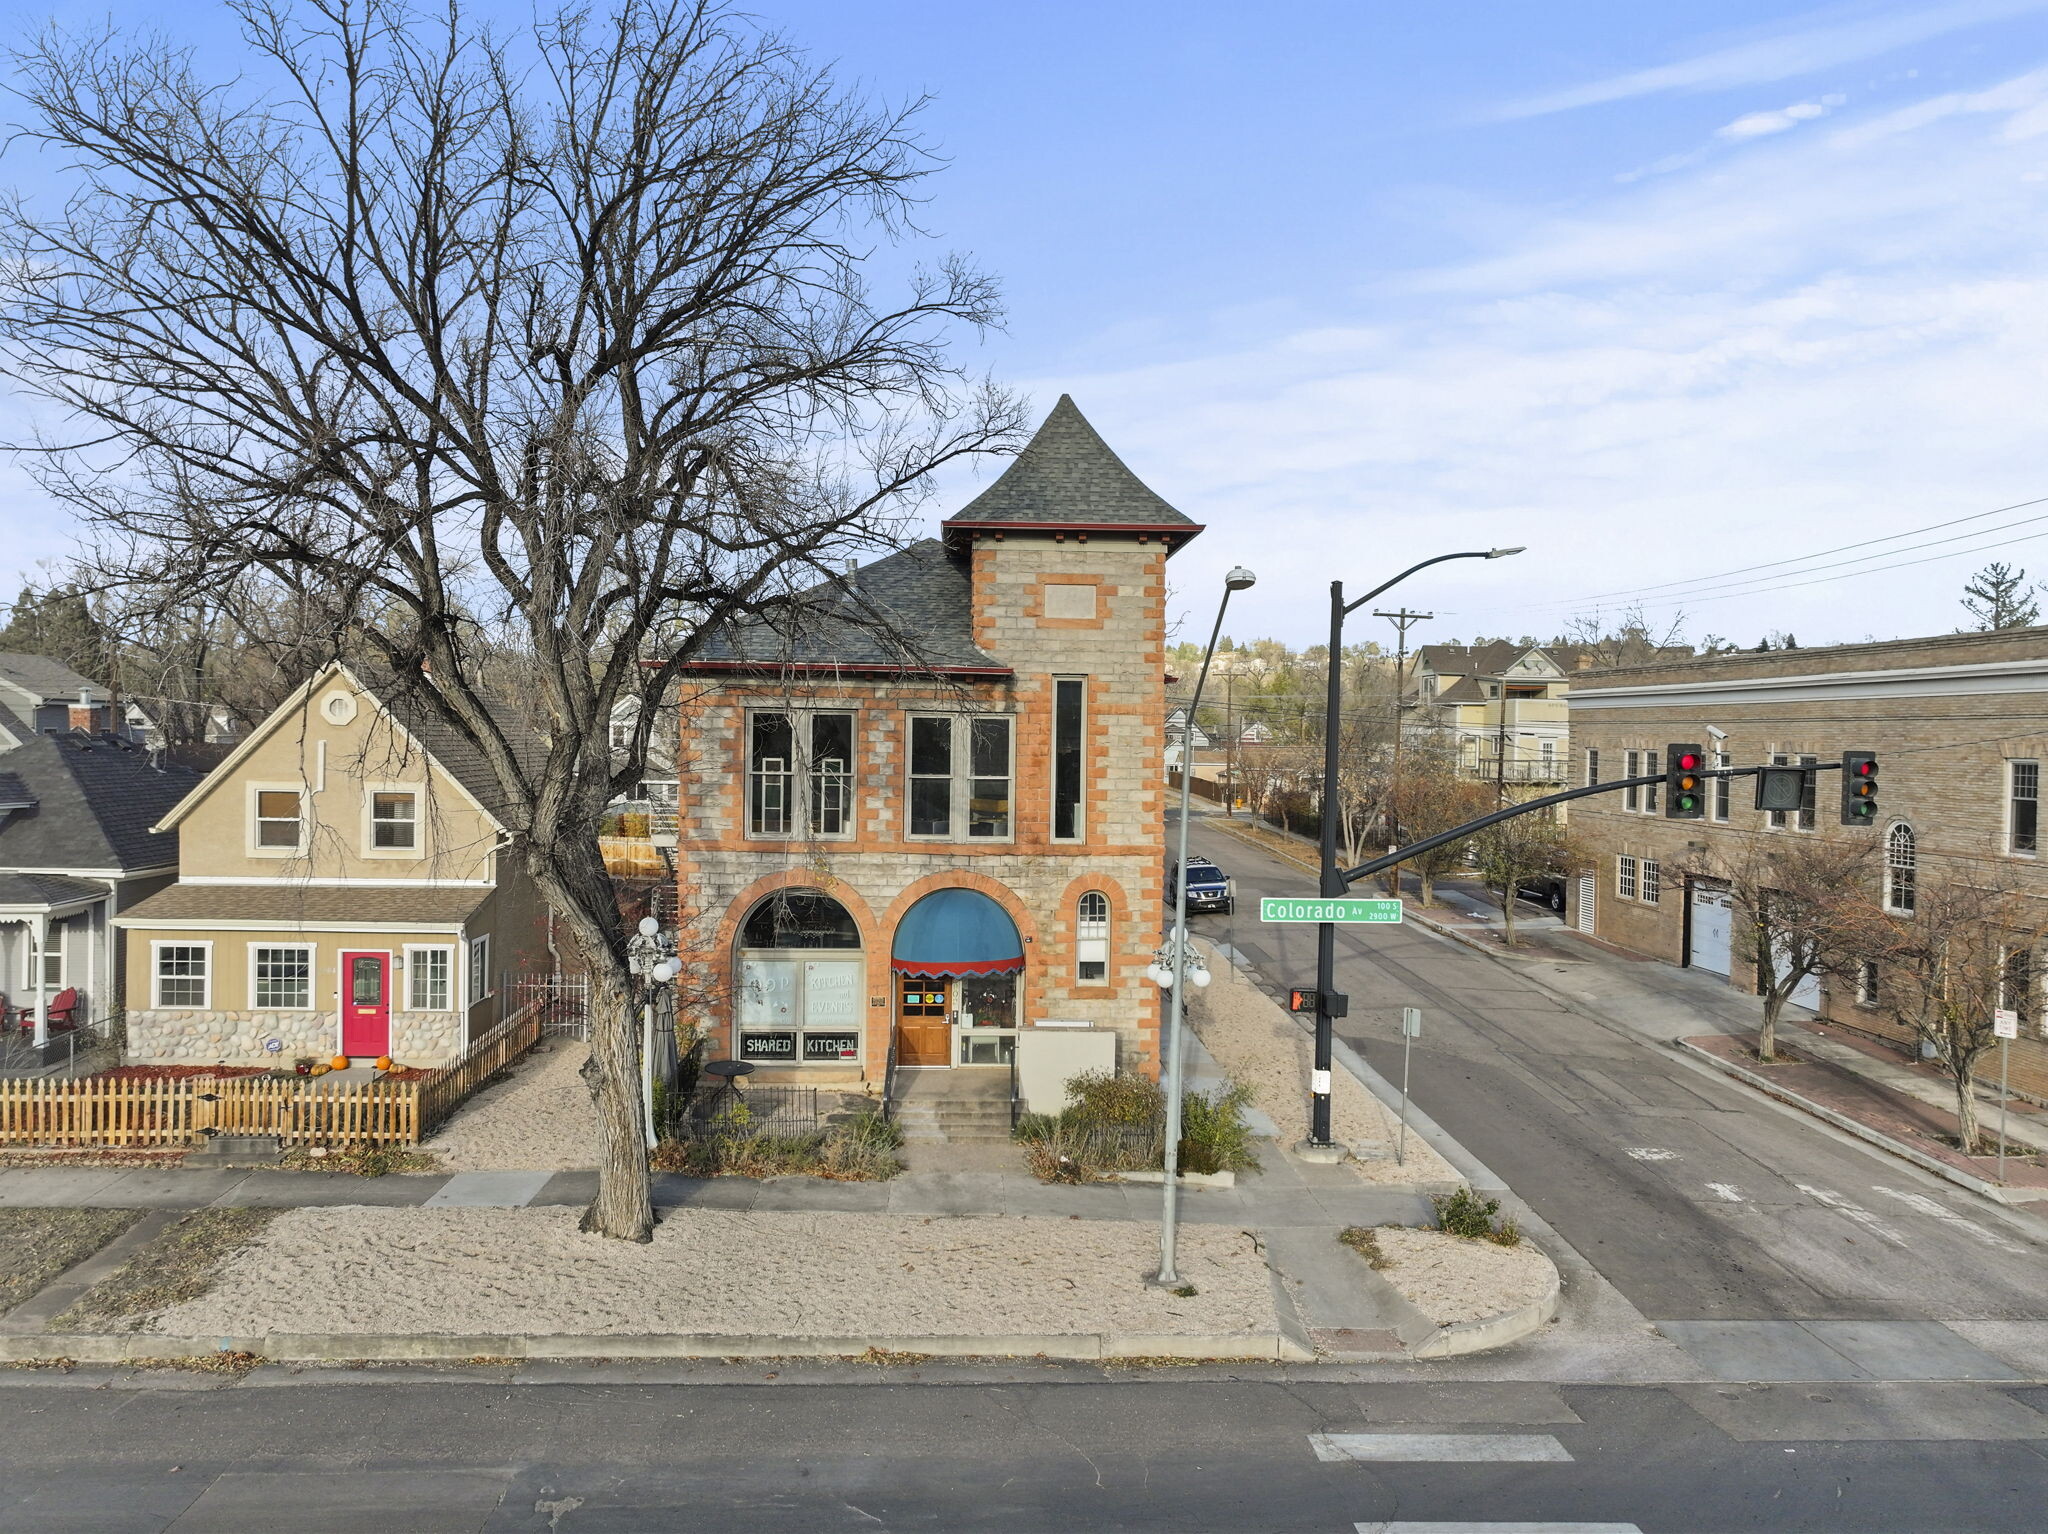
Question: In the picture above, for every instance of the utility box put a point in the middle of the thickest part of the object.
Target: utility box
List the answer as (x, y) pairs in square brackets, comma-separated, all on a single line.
[(1050, 1057)]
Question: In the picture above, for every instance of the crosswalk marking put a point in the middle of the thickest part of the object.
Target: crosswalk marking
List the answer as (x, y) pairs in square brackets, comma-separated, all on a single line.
[(1409, 1526), (1936, 1209), (1387, 1448), (1652, 1153), (1856, 1212), (1725, 1190)]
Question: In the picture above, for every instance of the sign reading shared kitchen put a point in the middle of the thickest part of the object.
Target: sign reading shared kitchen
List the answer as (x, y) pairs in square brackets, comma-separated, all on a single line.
[(1341, 908)]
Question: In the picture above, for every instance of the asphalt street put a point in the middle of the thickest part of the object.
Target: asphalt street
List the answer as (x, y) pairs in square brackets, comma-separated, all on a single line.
[(1698, 1200), (1166, 1455)]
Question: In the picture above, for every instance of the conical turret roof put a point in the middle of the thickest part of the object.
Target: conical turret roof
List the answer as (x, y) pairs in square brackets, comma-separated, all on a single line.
[(1067, 478)]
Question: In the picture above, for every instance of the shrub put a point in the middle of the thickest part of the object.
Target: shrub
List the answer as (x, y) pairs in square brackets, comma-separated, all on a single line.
[(1213, 1134), (1117, 1123), (860, 1150), (1465, 1213), (1115, 1097)]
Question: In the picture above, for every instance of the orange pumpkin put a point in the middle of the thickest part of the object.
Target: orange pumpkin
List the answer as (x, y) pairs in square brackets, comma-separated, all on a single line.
[(383, 1062), (339, 1062)]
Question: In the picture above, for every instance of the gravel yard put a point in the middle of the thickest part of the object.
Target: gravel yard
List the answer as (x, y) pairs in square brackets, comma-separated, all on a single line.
[(1259, 1044), (1452, 1278), (486, 1271), (536, 1119)]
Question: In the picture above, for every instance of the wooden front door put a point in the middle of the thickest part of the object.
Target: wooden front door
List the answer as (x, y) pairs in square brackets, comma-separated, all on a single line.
[(365, 1005), (924, 1029)]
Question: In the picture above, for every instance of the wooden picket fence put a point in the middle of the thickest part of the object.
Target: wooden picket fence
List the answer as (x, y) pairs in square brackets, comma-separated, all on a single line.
[(102, 1111)]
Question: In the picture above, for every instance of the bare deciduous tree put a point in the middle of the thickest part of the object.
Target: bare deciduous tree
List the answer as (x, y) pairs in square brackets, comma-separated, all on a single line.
[(1520, 851), (546, 354)]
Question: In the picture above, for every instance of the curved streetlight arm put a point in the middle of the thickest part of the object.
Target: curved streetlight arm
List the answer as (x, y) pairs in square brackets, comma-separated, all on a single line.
[(1352, 607)]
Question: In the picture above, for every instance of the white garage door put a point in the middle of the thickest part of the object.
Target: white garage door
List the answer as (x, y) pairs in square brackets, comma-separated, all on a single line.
[(1713, 930)]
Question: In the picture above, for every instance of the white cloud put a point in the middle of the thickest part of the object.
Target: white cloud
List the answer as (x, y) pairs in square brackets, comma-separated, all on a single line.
[(1785, 56), (1838, 336), (1761, 124)]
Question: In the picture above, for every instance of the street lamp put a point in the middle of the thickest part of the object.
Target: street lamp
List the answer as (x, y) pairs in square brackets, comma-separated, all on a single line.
[(1173, 968), (1332, 881), (648, 958)]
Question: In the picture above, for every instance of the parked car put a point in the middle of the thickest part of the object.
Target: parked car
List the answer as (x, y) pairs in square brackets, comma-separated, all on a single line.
[(1209, 888), (1545, 889)]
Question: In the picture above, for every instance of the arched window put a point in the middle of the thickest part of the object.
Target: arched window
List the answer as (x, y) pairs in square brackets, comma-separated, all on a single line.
[(800, 919), (1899, 868), (792, 1004), (1091, 938)]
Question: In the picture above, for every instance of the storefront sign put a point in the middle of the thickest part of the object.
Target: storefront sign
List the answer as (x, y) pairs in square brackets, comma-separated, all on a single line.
[(768, 1046), (767, 991), (831, 1046), (832, 989)]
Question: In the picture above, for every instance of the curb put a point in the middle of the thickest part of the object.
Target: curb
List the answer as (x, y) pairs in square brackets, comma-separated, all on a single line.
[(1861, 1131), (345, 1347), (1462, 1337)]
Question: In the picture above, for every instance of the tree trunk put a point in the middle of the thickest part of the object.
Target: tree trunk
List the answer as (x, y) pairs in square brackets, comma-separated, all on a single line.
[(1428, 880), (1966, 1106), (1767, 1035), (1507, 914)]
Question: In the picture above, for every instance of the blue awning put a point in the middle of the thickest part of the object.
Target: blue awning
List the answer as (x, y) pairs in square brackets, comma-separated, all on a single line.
[(957, 932)]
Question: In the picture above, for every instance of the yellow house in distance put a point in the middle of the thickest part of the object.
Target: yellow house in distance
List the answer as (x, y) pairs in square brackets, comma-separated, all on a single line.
[(347, 885)]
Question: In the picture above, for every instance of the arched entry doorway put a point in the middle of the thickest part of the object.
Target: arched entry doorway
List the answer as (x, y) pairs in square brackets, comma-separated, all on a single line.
[(799, 981), (957, 957)]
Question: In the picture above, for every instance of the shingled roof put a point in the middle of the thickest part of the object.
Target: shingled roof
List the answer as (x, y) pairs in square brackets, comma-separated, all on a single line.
[(910, 612), (95, 802), (1067, 477)]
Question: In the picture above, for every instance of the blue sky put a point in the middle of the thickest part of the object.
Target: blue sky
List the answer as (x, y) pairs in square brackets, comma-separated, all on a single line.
[(1659, 291)]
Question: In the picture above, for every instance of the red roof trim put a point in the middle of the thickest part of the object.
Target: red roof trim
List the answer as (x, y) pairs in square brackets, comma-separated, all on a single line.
[(1150, 529), (826, 667)]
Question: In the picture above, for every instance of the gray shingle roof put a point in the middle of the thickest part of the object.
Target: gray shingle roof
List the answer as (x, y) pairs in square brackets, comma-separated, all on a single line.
[(96, 800), (44, 677), (910, 612), (1066, 476), (307, 904), (14, 794), (45, 889), (460, 757)]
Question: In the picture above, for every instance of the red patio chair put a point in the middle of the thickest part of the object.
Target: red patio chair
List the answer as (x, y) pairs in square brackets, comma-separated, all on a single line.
[(61, 1012)]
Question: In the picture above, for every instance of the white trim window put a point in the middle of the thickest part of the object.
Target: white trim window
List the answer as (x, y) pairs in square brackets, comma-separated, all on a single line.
[(277, 818), (1631, 767), (1866, 984), (962, 767), (2023, 807), (800, 772), (1650, 880), (1592, 766), (1723, 787), (181, 975), (1091, 938), (1650, 761), (281, 977), (479, 977), (1809, 796), (1775, 819), (1625, 877), (44, 961), (1901, 869), (394, 820), (429, 978)]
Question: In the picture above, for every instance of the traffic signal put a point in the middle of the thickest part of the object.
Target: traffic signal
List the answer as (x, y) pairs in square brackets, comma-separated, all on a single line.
[(1685, 790), (1335, 1003), (1859, 788), (1303, 1000)]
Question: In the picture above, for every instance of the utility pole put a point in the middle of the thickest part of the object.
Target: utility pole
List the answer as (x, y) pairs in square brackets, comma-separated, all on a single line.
[(1402, 621)]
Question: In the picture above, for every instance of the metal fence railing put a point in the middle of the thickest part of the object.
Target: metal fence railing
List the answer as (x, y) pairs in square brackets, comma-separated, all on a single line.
[(715, 1108), (563, 1002)]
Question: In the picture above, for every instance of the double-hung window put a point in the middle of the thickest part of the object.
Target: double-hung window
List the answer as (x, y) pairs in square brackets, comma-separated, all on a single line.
[(281, 979), (394, 821), (1592, 766), (2024, 807), (1625, 877), (1650, 760), (1776, 819), (1091, 938), (1631, 767), (961, 771), (1809, 796), (1721, 785), (183, 974), (479, 968), (1866, 983), (1650, 879), (429, 979), (278, 824), (800, 774)]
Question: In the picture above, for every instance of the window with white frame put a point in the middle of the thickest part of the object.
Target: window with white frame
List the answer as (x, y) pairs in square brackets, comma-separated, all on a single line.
[(1722, 789), (1631, 767), (1091, 938), (1809, 795), (279, 822), (1901, 860), (394, 820), (183, 974), (1650, 879), (800, 774), (429, 976), (1625, 877), (1777, 819), (281, 979), (479, 969), (960, 775), (2023, 806), (1650, 760), (1866, 983), (1592, 766), (45, 961)]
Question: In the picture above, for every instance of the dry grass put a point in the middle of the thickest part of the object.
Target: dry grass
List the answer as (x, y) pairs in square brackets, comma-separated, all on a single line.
[(362, 1161), (38, 1244), (179, 1265), (1366, 1242)]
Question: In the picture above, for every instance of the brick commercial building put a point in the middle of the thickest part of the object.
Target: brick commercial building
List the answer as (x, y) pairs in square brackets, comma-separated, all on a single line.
[(1960, 726), (919, 805)]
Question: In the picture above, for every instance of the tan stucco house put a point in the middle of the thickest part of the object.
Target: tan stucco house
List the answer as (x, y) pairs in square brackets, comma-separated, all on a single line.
[(346, 885)]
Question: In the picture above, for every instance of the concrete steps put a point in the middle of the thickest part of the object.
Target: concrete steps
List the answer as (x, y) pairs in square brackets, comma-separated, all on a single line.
[(976, 1119)]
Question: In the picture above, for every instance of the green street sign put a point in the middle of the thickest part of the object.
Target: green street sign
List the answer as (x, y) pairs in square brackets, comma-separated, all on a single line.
[(1344, 908)]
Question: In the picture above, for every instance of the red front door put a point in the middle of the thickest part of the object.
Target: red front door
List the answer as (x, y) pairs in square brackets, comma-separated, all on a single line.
[(365, 1004)]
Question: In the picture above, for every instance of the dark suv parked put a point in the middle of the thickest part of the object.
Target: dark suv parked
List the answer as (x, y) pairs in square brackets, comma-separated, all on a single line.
[(1544, 889), (1209, 888)]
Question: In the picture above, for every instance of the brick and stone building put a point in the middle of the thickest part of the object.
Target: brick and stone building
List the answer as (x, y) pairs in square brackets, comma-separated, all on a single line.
[(1960, 728), (919, 804)]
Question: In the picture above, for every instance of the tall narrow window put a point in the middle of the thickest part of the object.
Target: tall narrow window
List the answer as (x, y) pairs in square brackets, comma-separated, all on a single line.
[(277, 819), (988, 788), (1650, 760), (771, 774), (479, 968), (1625, 877), (1631, 767), (427, 979), (1776, 818), (1091, 938), (1721, 785), (394, 822), (931, 776), (1592, 766), (2026, 806), (1901, 860), (831, 768), (1809, 795), (1651, 881), (1069, 721)]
